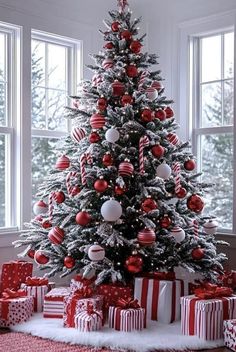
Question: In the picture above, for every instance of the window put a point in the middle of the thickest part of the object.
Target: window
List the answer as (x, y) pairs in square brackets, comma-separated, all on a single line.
[(213, 119)]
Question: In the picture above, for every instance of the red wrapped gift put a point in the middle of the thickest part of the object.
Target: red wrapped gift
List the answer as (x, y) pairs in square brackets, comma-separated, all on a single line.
[(37, 288), (230, 334), (14, 273), (88, 319), (79, 282), (15, 307), (53, 306)]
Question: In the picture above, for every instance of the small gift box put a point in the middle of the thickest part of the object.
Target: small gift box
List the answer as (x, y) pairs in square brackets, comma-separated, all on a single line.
[(89, 319), (37, 288), (15, 307), (14, 273), (79, 282), (229, 331), (53, 306), (127, 316), (159, 294), (203, 314)]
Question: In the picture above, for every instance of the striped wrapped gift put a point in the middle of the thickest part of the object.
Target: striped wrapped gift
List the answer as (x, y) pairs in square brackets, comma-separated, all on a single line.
[(126, 319), (53, 306), (88, 319)]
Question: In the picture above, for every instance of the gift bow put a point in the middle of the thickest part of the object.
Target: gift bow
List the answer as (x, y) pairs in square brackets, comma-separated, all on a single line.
[(84, 292), (126, 304), (9, 294), (36, 281), (209, 291)]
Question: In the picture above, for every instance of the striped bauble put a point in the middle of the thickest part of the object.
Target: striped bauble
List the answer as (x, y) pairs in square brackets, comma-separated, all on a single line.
[(56, 235), (151, 93), (63, 162), (97, 121), (107, 63), (77, 134), (146, 237), (157, 85), (126, 168), (173, 138)]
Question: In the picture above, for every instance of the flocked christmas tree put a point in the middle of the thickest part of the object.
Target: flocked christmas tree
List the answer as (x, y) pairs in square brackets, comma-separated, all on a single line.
[(124, 196)]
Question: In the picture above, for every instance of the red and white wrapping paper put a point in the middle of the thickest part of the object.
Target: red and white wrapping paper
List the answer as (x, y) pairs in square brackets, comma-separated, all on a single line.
[(14, 273), (53, 306), (126, 319), (38, 293), (160, 298), (204, 318), (15, 310), (229, 330), (86, 322), (79, 282)]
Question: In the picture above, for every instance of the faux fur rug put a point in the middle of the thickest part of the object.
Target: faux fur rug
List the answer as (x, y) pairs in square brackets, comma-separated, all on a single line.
[(156, 337)]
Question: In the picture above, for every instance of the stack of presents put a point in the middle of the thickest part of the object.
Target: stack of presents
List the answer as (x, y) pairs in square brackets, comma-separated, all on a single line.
[(209, 312)]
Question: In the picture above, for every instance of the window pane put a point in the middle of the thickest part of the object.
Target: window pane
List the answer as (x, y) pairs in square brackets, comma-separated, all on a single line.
[(38, 108), (211, 58), (211, 105), (38, 63), (217, 168), (57, 66), (229, 55), (229, 102), (2, 180), (56, 104), (3, 109), (2, 56)]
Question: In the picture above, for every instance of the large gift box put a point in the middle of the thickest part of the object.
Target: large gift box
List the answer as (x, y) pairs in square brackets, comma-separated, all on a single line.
[(88, 319), (127, 316), (79, 282), (53, 306), (37, 288), (203, 314), (230, 334), (159, 294), (14, 273), (15, 307)]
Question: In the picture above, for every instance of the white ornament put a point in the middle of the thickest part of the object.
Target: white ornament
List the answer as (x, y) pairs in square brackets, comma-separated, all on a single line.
[(178, 234), (111, 210), (96, 253), (151, 93), (210, 227), (163, 171), (112, 135), (40, 208)]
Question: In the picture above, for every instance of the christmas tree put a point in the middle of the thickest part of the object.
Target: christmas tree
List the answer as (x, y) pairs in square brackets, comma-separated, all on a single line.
[(124, 196)]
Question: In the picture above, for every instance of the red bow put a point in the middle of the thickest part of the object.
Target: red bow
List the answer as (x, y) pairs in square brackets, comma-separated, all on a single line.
[(84, 292), (9, 294), (36, 281), (209, 291), (126, 304)]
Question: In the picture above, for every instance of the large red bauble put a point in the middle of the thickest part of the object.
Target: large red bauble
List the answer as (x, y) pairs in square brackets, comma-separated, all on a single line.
[(108, 46), (135, 46), (62, 163), (102, 104), (100, 185), (158, 151), (173, 138), (56, 235), (40, 258), (134, 264), (182, 193), (189, 165), (107, 159), (118, 88), (94, 137), (127, 99), (97, 121), (160, 114), (75, 190), (127, 35), (148, 205), (115, 26), (169, 112), (126, 169), (146, 237), (195, 203), (59, 197), (119, 190), (46, 224), (198, 253), (83, 218), (147, 115), (69, 262), (165, 222), (132, 71), (31, 253)]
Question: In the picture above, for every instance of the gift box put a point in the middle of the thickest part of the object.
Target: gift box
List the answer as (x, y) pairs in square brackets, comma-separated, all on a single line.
[(203, 314), (53, 306), (79, 282), (15, 307), (14, 273), (127, 316), (159, 294), (37, 288), (229, 331), (89, 319)]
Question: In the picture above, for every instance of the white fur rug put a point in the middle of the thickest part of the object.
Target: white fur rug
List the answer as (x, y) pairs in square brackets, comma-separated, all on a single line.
[(157, 336)]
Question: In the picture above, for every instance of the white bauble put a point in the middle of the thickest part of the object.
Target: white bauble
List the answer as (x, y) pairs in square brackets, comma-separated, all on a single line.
[(111, 210), (210, 227), (112, 135), (96, 253), (163, 171), (40, 208), (178, 234), (151, 93)]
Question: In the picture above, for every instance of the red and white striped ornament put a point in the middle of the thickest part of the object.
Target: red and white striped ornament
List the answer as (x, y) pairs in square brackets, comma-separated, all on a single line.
[(176, 169), (126, 169), (157, 85), (63, 162), (70, 188), (96, 253), (97, 121), (57, 197), (173, 139), (56, 235), (151, 93), (195, 227), (40, 207), (97, 80), (146, 237), (77, 134), (107, 63), (143, 142), (178, 234), (86, 158)]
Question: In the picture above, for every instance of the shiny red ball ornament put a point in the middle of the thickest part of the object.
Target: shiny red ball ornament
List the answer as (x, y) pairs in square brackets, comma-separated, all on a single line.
[(118, 88), (147, 115), (132, 71), (102, 104), (126, 99), (148, 205), (189, 165), (198, 253), (94, 137), (31, 253), (146, 237), (119, 191), (46, 224), (56, 235), (63, 162), (59, 197), (135, 46), (75, 190), (97, 121), (109, 46), (134, 264), (126, 169), (69, 262), (169, 112), (40, 258), (100, 185), (160, 114), (107, 160), (115, 26), (195, 203), (158, 151), (127, 35), (83, 218), (165, 222), (182, 193)]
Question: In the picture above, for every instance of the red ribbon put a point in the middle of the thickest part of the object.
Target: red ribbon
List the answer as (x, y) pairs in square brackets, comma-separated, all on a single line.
[(90, 310), (8, 295), (126, 304), (84, 292), (36, 281)]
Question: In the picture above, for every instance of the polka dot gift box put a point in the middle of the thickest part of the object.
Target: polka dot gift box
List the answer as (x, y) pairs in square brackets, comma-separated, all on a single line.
[(14, 273)]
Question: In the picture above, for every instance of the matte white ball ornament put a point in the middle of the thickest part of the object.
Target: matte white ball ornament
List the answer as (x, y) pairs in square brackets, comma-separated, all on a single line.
[(163, 171), (111, 210), (96, 253), (112, 135), (210, 227), (178, 234), (40, 208)]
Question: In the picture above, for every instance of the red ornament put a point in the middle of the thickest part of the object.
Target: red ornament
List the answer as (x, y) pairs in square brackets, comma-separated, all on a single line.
[(165, 222), (59, 197), (100, 185), (97, 121), (135, 46), (115, 26), (127, 99), (107, 159), (107, 63), (169, 112), (195, 203), (182, 193), (126, 169), (127, 35), (108, 46), (46, 224), (198, 253), (31, 253), (56, 235), (160, 114), (75, 190), (134, 264), (189, 165), (40, 258), (77, 134), (132, 71), (157, 85), (148, 205), (102, 104), (62, 163), (83, 218), (94, 137), (38, 218), (173, 138), (119, 191), (147, 115), (158, 151), (69, 262), (118, 88), (146, 237)]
